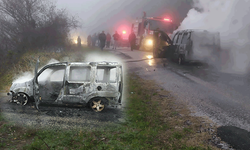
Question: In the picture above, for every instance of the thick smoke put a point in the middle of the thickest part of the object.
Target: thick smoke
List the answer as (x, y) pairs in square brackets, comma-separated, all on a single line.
[(231, 19)]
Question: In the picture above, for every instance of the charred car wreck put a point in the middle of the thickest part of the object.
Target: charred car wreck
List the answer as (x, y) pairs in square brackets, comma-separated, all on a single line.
[(96, 84)]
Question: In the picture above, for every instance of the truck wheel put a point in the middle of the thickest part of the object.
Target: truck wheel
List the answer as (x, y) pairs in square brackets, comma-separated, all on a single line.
[(98, 104)]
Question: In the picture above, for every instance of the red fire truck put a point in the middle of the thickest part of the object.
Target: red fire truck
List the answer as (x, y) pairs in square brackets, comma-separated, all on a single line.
[(123, 42), (144, 30)]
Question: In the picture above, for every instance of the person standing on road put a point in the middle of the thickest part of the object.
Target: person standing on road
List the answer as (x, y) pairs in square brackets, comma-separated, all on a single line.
[(93, 39), (89, 39), (132, 39), (98, 39), (116, 37), (79, 41), (102, 39), (108, 40)]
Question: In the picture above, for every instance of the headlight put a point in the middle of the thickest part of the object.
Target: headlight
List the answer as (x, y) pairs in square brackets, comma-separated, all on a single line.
[(149, 42), (149, 56)]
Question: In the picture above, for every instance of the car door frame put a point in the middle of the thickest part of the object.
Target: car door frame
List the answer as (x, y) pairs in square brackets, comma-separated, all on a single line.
[(179, 35), (36, 92), (183, 48)]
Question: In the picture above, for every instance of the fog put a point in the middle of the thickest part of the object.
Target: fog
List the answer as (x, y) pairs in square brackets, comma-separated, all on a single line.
[(96, 57), (231, 19), (111, 15)]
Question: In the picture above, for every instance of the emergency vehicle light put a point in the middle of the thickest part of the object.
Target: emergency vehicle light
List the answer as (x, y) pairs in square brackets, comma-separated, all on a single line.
[(165, 19)]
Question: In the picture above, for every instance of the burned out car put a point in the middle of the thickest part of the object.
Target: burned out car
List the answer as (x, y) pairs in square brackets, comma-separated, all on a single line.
[(96, 84)]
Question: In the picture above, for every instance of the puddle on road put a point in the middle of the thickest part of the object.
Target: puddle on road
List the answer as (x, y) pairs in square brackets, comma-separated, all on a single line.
[(236, 137)]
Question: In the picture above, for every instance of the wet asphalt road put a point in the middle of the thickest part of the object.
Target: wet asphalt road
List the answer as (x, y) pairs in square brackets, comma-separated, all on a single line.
[(223, 97)]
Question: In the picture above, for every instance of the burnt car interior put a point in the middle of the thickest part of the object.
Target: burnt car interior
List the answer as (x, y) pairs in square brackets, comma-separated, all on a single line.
[(51, 82), (79, 76), (106, 74)]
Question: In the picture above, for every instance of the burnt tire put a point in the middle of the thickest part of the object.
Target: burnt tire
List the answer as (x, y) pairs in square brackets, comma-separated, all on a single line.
[(98, 104), (22, 99)]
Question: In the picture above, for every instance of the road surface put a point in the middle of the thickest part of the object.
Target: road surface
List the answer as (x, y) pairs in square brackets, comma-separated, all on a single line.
[(223, 97)]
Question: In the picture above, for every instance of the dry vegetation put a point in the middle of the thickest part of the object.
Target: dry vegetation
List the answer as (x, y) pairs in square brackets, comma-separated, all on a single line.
[(182, 128)]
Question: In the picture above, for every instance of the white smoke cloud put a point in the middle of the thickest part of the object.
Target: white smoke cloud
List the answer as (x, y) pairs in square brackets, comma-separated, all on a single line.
[(231, 19), (51, 61), (97, 57), (26, 76)]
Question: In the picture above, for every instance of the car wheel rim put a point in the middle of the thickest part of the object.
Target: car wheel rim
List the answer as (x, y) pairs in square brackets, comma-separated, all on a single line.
[(22, 99), (97, 106)]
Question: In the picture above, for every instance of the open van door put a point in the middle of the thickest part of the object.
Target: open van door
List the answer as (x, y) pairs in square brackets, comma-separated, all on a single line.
[(48, 83), (120, 81), (162, 45), (35, 85)]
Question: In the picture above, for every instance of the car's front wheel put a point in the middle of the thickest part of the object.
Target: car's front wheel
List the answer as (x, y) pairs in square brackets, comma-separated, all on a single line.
[(98, 104), (22, 99)]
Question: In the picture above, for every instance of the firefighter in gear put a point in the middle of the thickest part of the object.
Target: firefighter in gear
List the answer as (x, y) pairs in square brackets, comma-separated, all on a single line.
[(132, 39), (94, 39), (102, 39), (89, 39), (79, 41), (108, 39), (156, 43)]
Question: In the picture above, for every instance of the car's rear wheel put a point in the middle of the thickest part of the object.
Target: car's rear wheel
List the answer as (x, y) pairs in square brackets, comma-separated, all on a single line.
[(22, 99), (98, 104)]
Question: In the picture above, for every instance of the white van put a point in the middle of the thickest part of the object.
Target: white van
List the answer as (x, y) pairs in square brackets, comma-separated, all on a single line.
[(195, 45)]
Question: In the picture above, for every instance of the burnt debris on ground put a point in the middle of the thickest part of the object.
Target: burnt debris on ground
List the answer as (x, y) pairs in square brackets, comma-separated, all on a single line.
[(62, 116)]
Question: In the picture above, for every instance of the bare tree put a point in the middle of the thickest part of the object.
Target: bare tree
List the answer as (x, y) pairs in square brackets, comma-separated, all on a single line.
[(32, 24), (25, 21)]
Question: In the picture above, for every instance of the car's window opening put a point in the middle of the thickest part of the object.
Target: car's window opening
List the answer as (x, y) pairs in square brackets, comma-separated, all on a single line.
[(106, 74), (175, 38), (52, 74), (163, 25), (185, 38), (79, 73), (179, 38)]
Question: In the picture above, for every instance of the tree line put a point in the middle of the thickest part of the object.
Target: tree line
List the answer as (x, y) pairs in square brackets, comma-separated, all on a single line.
[(32, 25)]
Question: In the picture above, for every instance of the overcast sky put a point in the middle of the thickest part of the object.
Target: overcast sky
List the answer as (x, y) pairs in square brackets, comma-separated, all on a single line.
[(110, 15)]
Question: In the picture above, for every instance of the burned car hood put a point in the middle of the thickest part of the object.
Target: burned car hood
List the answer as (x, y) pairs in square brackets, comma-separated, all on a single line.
[(24, 87)]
